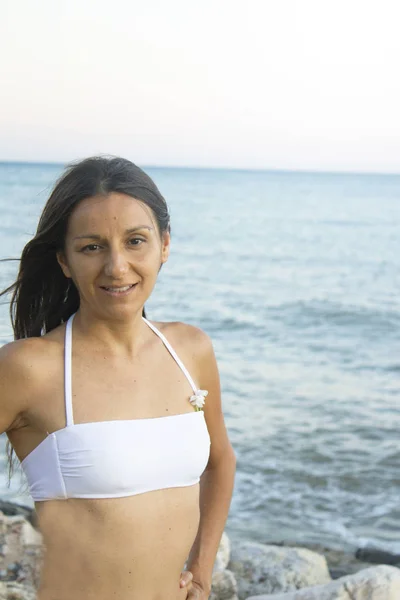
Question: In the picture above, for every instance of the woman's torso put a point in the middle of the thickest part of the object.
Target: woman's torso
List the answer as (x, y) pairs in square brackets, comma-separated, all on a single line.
[(128, 547)]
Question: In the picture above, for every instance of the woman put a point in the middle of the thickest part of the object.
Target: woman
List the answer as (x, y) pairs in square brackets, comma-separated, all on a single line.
[(116, 420)]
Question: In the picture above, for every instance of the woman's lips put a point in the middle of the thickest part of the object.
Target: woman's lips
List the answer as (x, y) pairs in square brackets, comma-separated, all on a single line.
[(118, 291)]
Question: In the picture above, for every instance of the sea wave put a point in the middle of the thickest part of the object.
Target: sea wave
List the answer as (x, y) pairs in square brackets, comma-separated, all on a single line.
[(317, 313)]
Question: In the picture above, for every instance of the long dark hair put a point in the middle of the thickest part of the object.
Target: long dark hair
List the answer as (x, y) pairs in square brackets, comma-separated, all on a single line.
[(42, 297)]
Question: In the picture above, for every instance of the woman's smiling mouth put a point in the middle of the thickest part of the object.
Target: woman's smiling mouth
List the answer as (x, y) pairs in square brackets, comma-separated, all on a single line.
[(120, 290)]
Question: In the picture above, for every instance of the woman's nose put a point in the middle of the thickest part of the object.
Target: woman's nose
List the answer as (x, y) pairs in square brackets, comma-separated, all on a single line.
[(116, 265)]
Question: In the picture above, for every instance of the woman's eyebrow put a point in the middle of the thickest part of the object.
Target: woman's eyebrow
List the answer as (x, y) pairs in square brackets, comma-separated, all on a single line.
[(95, 236)]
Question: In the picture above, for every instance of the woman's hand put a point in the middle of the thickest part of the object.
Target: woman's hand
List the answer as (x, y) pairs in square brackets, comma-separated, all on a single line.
[(195, 590)]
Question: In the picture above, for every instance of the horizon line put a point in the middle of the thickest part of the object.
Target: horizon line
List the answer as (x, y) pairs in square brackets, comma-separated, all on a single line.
[(217, 168)]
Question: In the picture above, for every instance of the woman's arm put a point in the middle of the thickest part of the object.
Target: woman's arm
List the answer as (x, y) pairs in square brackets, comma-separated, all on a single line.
[(217, 481), (14, 391)]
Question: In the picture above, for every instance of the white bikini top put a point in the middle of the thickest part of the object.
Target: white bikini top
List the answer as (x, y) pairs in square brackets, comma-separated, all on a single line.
[(111, 459)]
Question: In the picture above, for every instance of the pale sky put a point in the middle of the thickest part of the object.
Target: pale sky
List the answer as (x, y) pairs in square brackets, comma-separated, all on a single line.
[(290, 84)]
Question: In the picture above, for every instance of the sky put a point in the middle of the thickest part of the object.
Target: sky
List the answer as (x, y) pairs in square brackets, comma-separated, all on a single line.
[(261, 84)]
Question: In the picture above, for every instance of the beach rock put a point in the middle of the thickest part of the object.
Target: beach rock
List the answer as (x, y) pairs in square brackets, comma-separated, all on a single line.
[(21, 559), (261, 569), (28, 536), (11, 509), (16, 591), (375, 583), (224, 586), (373, 555), (340, 561), (223, 554)]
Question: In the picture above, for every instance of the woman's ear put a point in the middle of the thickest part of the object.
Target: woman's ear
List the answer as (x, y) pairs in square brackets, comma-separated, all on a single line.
[(165, 248), (63, 263)]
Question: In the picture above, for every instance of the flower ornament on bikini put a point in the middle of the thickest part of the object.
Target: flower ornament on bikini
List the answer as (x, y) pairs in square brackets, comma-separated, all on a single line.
[(198, 399)]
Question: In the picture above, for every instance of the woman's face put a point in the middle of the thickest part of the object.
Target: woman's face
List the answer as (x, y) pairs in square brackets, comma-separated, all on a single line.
[(113, 253)]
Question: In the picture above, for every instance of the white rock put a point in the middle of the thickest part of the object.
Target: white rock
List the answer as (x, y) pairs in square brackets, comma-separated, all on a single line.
[(16, 591), (261, 569), (223, 554), (30, 536), (224, 586), (375, 583), (22, 544), (3, 524)]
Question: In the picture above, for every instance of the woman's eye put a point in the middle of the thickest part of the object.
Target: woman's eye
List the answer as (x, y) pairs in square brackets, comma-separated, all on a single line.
[(133, 240), (90, 248)]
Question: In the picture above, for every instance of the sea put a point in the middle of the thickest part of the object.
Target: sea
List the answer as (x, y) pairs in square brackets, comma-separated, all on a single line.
[(296, 278)]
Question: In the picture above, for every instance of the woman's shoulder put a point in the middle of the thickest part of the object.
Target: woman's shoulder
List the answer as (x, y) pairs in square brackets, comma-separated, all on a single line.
[(25, 367), (187, 339), (183, 332), (28, 352)]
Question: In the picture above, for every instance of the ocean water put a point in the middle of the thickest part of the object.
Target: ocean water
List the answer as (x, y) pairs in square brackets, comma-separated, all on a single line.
[(296, 277)]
